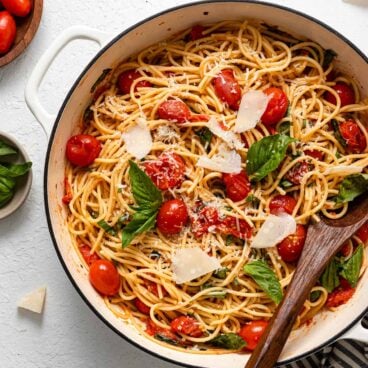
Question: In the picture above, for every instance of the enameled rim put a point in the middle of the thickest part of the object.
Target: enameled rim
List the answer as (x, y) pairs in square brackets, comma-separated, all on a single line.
[(52, 136)]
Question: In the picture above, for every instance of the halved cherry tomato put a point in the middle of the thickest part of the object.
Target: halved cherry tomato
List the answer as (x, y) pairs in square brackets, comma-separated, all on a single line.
[(104, 277), (82, 149), (167, 171), (341, 295), (143, 308), (282, 203), (237, 186), (174, 110), (196, 32), (87, 255), (318, 155), (297, 172), (362, 233), (227, 88), (235, 227), (276, 107), (152, 330), (353, 136), (186, 325), (345, 250), (251, 333), (172, 216), (8, 30), (291, 247), (68, 196), (126, 79), (19, 8), (345, 92)]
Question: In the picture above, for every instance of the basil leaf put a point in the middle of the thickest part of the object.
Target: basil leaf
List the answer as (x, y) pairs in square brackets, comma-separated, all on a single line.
[(266, 155), (221, 273), (5, 198), (266, 279), (144, 191), (205, 135), (253, 200), (6, 184), (284, 128), (15, 170), (337, 133), (351, 268), (166, 339), (6, 150), (328, 56), (228, 341), (220, 294), (329, 279), (286, 183), (314, 295), (351, 187), (109, 229)]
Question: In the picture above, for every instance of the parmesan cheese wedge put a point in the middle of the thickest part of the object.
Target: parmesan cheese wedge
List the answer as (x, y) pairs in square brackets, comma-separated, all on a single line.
[(191, 263), (138, 140), (252, 106), (34, 300), (343, 170), (226, 135), (274, 230)]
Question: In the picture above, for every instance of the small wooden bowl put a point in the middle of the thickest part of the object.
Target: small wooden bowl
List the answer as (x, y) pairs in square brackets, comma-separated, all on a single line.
[(26, 30)]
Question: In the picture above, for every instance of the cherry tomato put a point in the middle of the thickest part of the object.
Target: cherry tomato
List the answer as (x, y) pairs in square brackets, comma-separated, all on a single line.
[(68, 196), (341, 295), (282, 203), (362, 233), (8, 29), (152, 330), (196, 32), (251, 333), (174, 110), (345, 92), (297, 172), (82, 149), (318, 155), (235, 227), (172, 216), (276, 107), (19, 8), (204, 219), (227, 88), (237, 186), (345, 250), (87, 255), (167, 171), (186, 325), (353, 136), (291, 247), (104, 277), (143, 308), (126, 79)]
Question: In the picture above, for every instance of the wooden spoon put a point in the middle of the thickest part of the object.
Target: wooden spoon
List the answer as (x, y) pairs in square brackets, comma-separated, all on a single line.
[(323, 241)]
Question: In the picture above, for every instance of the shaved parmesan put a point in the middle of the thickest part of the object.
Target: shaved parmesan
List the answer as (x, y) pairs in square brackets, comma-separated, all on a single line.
[(191, 263), (274, 230), (138, 140), (226, 161), (252, 106), (33, 301), (226, 135), (343, 170)]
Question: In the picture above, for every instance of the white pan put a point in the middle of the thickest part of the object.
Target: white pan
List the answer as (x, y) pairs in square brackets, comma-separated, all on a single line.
[(327, 326)]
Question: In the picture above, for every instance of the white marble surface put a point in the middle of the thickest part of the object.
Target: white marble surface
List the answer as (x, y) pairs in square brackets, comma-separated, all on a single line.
[(68, 333)]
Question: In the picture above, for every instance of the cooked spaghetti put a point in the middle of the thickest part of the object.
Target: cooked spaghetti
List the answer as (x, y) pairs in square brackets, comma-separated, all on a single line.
[(224, 214)]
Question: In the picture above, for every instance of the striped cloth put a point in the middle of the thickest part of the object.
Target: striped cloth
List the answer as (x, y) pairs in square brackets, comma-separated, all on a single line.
[(341, 354)]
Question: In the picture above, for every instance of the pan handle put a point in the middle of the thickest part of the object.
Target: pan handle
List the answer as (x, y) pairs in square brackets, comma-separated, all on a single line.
[(357, 332), (44, 117)]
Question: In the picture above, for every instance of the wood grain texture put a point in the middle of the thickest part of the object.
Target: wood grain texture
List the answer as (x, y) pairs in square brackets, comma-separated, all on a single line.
[(26, 30), (323, 241)]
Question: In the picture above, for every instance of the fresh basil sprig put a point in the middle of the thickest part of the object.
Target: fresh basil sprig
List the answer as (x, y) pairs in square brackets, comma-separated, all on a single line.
[(6, 150), (229, 341), (351, 187), (351, 268), (266, 279), (109, 229), (330, 279), (205, 135), (148, 199), (337, 133), (266, 155)]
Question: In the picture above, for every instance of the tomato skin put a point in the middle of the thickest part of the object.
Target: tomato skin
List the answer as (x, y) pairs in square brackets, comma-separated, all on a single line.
[(186, 325), (196, 32), (82, 149), (126, 79), (68, 196), (172, 216), (167, 171), (19, 8), (297, 172), (345, 92), (235, 227), (291, 247), (282, 203), (276, 107), (237, 186), (206, 217), (341, 295), (318, 155), (104, 277), (87, 255), (362, 233), (8, 30), (143, 308), (152, 330), (227, 88), (174, 110), (353, 136), (345, 250), (251, 333)]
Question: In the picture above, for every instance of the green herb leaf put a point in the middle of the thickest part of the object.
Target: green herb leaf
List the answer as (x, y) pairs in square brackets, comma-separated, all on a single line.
[(266, 279), (253, 200), (266, 155), (15, 170), (166, 339), (5, 198), (109, 229), (6, 150), (103, 75), (286, 183), (337, 133), (229, 341), (330, 279), (314, 295), (219, 294), (229, 240), (284, 128), (6, 184), (221, 273), (205, 135), (351, 268), (329, 55), (351, 187)]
